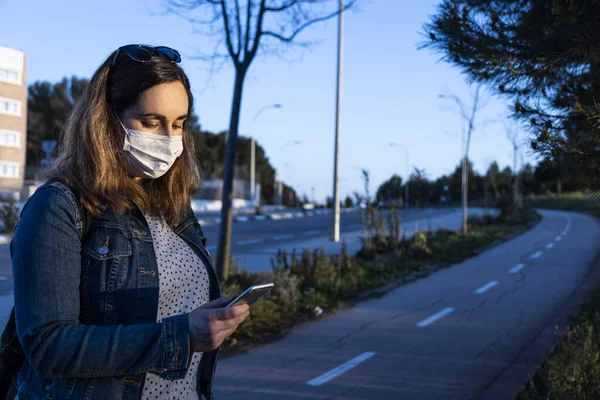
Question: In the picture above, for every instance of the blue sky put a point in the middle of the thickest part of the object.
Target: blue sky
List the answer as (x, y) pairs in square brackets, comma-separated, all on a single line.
[(390, 89)]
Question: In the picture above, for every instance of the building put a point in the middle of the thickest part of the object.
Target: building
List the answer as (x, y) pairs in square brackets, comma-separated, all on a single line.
[(13, 121)]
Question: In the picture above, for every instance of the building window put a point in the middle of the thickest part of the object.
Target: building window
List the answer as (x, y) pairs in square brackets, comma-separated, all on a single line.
[(10, 76), (9, 169), (10, 107), (10, 138)]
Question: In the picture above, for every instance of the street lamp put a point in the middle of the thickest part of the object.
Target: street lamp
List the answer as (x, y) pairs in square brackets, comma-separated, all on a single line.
[(253, 151), (262, 109), (294, 143), (407, 160)]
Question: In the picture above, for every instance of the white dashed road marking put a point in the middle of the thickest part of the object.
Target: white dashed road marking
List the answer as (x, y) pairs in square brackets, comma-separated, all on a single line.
[(550, 245), (537, 255), (435, 317), (516, 268), (486, 287), (337, 371)]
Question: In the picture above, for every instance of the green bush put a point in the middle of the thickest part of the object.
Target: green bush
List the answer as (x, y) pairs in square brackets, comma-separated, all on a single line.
[(418, 247), (380, 235), (573, 371), (9, 214)]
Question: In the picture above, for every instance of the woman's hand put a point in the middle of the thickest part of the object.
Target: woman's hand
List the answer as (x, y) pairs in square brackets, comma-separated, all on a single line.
[(211, 323)]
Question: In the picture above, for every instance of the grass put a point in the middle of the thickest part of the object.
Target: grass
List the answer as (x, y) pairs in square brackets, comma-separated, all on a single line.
[(311, 283), (578, 202), (572, 372)]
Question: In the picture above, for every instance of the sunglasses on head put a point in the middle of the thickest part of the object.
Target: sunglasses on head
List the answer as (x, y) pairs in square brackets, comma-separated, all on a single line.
[(143, 53)]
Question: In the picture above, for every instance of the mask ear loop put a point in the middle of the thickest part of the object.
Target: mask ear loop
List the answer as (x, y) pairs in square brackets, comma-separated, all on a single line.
[(125, 144), (125, 129), (119, 119)]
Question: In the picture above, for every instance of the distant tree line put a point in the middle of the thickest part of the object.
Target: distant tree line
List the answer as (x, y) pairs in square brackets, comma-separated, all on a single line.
[(548, 177), (49, 105)]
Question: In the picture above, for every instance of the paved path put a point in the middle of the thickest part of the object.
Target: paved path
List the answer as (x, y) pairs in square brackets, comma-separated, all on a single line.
[(448, 336)]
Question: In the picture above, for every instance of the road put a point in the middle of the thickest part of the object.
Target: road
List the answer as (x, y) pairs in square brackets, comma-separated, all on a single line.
[(448, 336), (258, 234)]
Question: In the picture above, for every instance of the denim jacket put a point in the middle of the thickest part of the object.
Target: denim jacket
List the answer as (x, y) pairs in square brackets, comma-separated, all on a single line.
[(86, 310)]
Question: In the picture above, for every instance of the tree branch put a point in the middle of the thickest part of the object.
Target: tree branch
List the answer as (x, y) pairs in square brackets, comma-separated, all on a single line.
[(235, 57), (461, 106), (283, 7), (258, 32), (193, 4), (171, 10), (247, 35), (239, 26), (302, 27)]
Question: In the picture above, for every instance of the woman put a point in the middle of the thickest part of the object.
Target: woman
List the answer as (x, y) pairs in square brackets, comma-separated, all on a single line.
[(131, 310)]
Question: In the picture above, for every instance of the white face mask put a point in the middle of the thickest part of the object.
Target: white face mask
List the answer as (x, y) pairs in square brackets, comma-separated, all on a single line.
[(151, 156)]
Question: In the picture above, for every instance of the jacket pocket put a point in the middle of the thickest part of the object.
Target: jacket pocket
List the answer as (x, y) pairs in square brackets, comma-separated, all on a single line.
[(60, 389), (106, 268)]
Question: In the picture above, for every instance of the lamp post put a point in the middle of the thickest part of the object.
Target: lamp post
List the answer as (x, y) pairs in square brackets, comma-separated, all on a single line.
[(338, 128), (407, 160), (253, 151)]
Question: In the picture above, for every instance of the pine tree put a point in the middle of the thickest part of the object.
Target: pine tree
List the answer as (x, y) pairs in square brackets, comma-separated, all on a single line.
[(542, 55)]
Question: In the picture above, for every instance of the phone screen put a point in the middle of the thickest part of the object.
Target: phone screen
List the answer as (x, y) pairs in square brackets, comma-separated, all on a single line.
[(253, 293)]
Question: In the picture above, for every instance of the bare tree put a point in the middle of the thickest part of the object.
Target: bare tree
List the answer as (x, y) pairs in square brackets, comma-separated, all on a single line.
[(514, 137), (468, 115), (241, 29)]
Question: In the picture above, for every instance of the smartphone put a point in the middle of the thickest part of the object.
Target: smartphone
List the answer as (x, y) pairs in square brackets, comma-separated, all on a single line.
[(252, 294)]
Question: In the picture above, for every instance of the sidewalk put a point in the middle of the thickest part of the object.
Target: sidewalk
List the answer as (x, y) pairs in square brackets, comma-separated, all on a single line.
[(255, 260)]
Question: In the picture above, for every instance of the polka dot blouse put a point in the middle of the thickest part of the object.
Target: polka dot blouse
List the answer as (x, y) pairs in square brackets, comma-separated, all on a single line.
[(184, 285)]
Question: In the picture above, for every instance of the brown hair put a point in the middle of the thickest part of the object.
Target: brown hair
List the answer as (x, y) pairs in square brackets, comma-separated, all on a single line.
[(89, 156)]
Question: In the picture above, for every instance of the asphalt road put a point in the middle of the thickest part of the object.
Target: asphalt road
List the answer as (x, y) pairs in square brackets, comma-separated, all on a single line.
[(256, 234), (448, 336)]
